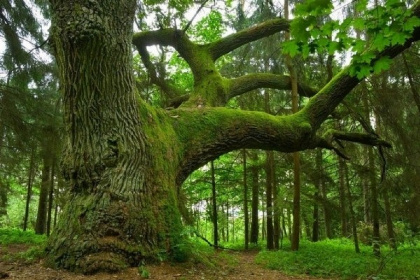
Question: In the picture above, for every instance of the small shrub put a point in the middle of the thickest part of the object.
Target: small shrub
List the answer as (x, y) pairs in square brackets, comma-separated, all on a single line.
[(17, 236), (144, 273)]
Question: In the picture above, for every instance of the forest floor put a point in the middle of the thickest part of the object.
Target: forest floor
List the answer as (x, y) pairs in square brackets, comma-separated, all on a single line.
[(230, 265)]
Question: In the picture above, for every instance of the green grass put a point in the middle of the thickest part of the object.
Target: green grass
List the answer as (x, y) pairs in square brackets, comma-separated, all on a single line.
[(32, 249), (337, 259), (17, 236)]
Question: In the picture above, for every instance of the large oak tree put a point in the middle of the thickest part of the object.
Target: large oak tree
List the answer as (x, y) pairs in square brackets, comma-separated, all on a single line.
[(125, 161)]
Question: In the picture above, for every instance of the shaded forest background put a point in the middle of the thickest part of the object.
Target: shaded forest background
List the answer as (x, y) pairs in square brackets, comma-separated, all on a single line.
[(245, 197)]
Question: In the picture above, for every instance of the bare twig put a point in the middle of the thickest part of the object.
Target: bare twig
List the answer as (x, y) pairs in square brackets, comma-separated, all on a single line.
[(196, 13)]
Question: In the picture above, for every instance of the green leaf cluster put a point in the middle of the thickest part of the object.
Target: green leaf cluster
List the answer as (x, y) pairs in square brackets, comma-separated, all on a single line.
[(364, 33)]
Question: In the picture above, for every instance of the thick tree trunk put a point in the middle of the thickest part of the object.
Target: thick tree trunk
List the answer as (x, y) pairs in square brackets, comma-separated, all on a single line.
[(122, 206), (123, 160)]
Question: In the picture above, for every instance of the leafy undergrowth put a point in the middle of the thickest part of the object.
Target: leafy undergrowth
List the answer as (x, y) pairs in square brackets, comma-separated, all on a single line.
[(336, 258), (18, 245)]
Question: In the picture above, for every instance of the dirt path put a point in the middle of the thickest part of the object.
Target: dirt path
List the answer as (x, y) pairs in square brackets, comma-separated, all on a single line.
[(237, 266)]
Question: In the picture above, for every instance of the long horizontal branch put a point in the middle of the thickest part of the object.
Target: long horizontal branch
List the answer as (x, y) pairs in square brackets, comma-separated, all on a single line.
[(236, 40), (327, 140), (207, 133), (250, 82)]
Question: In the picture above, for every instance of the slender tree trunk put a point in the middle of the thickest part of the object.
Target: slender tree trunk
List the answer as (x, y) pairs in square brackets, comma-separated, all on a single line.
[(50, 198), (374, 204), (214, 207), (416, 95), (246, 213), (41, 219), (296, 158), (276, 215), (315, 223), (283, 223), (269, 199), (308, 232), (388, 216), (351, 210), (343, 207), (263, 222), (289, 223), (29, 186), (366, 208), (386, 184), (315, 216), (227, 220), (222, 231), (254, 206), (327, 213)]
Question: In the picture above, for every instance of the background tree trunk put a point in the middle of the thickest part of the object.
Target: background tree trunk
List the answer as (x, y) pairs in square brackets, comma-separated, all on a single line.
[(374, 204), (214, 207), (50, 197), (246, 213), (343, 206), (41, 219), (254, 206), (269, 170), (296, 158), (318, 182), (29, 186), (327, 212), (351, 210)]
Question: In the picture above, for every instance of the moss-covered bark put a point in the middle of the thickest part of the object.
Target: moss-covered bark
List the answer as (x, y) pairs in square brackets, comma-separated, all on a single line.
[(125, 161), (119, 159)]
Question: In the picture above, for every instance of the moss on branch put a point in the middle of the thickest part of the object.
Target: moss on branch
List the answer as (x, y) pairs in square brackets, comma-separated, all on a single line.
[(207, 133), (210, 88)]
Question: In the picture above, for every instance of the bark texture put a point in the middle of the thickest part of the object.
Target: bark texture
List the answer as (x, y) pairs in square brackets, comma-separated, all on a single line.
[(121, 208), (125, 161)]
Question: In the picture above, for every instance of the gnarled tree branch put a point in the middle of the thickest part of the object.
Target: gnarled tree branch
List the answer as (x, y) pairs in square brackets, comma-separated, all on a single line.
[(234, 41), (250, 82)]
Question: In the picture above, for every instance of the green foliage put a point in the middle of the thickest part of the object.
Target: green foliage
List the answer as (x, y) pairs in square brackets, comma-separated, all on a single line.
[(16, 207), (209, 28), (32, 254), (17, 236), (336, 258), (34, 243), (144, 273), (388, 25)]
